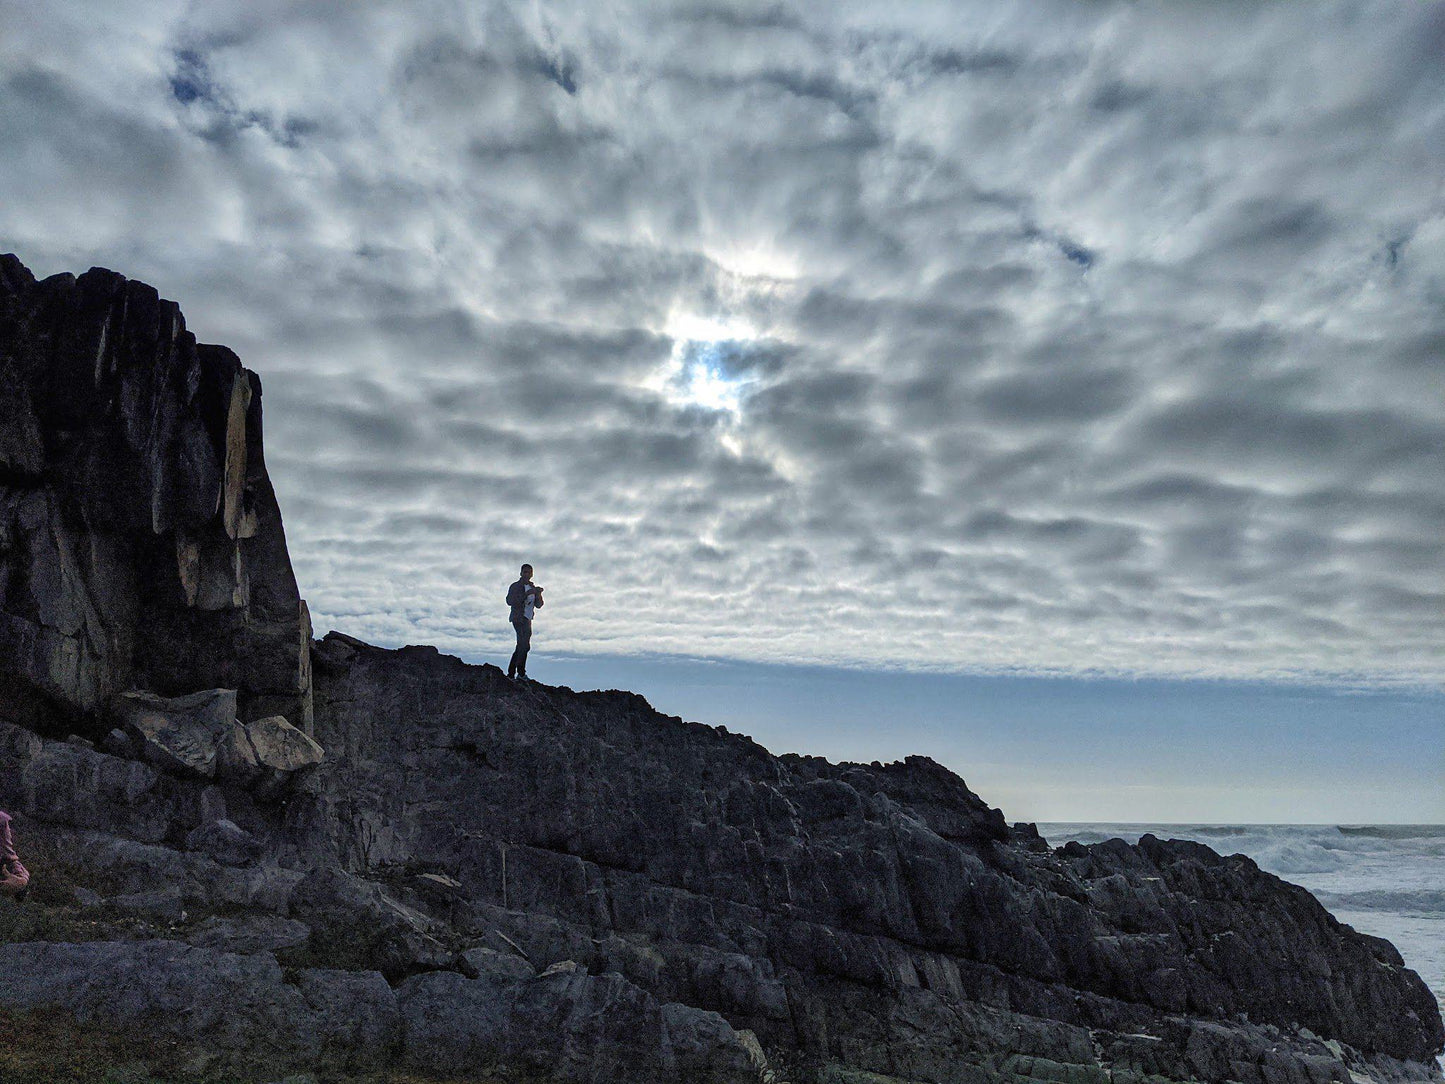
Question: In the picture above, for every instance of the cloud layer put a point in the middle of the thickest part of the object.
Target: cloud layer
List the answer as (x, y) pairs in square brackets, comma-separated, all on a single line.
[(1066, 338)]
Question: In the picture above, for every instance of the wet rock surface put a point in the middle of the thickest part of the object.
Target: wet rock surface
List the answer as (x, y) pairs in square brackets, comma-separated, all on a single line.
[(400, 862)]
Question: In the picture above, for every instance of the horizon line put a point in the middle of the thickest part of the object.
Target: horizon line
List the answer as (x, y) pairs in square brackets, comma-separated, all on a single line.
[(1340, 682)]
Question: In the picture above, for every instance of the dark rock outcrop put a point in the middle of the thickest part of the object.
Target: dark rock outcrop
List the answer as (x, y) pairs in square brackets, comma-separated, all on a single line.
[(140, 542), (804, 900), (481, 876)]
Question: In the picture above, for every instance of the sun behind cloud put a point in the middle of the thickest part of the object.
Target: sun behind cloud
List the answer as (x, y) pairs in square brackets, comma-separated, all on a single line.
[(707, 365)]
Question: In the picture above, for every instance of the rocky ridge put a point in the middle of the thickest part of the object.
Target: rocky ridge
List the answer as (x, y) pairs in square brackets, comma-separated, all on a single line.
[(277, 855)]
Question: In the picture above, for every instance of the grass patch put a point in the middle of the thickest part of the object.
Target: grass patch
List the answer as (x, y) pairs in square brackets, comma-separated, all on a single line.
[(52, 911), (31, 921), (50, 854), (51, 1048)]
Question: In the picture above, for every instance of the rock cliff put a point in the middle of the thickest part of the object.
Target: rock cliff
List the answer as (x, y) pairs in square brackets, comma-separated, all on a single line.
[(267, 855), (140, 542)]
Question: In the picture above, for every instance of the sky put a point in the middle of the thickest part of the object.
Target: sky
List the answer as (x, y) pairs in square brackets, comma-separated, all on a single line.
[(985, 360)]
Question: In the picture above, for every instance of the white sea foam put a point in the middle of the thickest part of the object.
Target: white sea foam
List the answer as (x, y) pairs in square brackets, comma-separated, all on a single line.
[(1387, 880), (1424, 902)]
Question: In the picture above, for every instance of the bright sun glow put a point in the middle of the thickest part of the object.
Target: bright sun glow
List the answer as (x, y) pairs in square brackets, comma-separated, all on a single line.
[(689, 325), (755, 260), (703, 369)]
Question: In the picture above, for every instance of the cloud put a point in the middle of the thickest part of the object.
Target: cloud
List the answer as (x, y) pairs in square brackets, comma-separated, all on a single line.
[(1027, 337)]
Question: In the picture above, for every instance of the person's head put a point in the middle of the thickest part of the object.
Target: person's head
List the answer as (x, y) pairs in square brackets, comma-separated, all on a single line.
[(526, 573)]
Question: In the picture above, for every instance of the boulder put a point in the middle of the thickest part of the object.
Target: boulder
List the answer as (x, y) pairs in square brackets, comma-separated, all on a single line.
[(364, 924), (265, 754), (225, 841), (199, 736), (281, 747), (69, 785), (182, 734)]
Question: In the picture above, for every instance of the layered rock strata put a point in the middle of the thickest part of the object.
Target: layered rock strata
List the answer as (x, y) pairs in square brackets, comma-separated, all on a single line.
[(479, 879)]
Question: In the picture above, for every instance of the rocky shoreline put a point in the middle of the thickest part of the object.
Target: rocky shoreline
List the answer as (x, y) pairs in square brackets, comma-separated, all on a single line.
[(257, 854)]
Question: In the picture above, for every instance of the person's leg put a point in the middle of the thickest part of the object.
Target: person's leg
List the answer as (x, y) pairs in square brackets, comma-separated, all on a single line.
[(13, 879), (524, 644), (519, 654)]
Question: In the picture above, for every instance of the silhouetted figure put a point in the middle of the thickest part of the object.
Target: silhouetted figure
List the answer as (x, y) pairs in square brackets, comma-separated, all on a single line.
[(13, 876), (523, 597)]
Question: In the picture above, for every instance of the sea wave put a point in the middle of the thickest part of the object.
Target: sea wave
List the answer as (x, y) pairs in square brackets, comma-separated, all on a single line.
[(1418, 903), (1393, 831), (1288, 850)]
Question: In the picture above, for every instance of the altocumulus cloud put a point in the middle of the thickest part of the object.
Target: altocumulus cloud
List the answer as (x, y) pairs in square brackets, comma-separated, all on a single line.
[(1074, 338)]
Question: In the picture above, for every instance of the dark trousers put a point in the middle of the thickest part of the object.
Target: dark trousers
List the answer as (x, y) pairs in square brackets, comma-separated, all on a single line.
[(518, 665)]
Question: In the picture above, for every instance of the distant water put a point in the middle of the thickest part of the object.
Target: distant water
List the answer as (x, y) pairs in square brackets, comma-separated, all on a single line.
[(1388, 880)]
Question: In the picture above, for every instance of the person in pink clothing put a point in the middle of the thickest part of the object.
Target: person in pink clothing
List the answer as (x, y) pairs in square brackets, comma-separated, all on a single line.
[(13, 876)]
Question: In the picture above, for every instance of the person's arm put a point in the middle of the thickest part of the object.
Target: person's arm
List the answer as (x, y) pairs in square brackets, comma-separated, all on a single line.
[(7, 843), (538, 596)]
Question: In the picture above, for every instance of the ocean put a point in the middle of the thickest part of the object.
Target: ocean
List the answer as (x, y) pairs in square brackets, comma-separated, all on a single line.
[(1387, 880)]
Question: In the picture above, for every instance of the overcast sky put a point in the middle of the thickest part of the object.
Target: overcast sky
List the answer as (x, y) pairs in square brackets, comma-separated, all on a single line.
[(1073, 339)]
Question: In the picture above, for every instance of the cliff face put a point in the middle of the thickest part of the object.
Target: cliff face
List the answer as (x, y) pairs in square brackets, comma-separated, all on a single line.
[(480, 877), (140, 542)]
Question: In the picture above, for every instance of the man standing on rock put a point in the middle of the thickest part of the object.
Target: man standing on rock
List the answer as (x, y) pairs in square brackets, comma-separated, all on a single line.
[(523, 597), (13, 876)]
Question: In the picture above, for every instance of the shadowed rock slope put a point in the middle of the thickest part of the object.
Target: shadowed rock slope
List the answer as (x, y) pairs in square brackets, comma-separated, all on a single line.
[(430, 870)]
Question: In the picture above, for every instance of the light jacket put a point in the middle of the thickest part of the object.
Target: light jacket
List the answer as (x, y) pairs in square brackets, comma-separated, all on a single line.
[(13, 876)]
